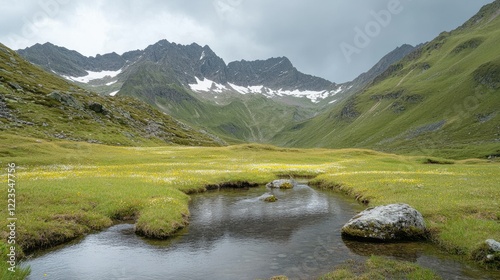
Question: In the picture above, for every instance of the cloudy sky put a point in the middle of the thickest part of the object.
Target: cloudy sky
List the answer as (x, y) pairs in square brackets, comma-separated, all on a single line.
[(333, 39)]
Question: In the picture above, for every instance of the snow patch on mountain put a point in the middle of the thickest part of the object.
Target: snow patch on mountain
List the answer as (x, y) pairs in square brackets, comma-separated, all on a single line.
[(93, 76), (337, 90), (314, 96), (207, 86), (240, 89), (257, 89)]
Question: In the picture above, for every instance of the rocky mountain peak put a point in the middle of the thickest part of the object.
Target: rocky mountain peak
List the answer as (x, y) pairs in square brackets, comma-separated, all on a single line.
[(69, 62), (274, 73)]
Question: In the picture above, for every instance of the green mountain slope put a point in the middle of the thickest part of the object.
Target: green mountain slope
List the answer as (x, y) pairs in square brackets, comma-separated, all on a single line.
[(442, 99), (38, 104)]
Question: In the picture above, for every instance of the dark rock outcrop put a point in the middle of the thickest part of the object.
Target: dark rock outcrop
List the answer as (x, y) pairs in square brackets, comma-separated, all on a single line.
[(66, 99), (97, 107), (349, 110), (488, 74)]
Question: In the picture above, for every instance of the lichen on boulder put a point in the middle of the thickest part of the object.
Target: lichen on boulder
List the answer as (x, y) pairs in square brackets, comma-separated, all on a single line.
[(391, 222)]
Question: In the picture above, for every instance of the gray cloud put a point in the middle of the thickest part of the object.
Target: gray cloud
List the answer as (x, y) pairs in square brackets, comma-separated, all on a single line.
[(310, 33)]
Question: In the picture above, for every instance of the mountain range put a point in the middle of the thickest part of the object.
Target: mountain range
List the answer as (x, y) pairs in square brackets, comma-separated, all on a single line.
[(439, 97), (240, 101), (191, 66)]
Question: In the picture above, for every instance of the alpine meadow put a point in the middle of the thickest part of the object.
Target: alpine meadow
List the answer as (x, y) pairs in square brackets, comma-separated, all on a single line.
[(88, 143)]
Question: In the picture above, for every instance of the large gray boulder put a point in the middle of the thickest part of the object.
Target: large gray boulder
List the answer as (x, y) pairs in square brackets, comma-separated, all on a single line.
[(386, 223)]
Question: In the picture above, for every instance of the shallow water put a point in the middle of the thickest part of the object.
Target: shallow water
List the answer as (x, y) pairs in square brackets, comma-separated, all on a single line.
[(235, 235)]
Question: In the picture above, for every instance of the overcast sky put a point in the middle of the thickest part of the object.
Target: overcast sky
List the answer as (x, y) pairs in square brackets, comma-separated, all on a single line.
[(333, 39)]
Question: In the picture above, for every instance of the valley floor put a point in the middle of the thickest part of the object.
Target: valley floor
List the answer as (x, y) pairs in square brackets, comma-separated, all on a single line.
[(67, 189)]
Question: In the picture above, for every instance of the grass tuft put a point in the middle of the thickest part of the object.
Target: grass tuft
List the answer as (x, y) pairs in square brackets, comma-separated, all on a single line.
[(380, 268)]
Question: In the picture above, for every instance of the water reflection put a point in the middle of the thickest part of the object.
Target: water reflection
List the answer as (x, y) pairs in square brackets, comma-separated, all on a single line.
[(249, 217), (410, 251)]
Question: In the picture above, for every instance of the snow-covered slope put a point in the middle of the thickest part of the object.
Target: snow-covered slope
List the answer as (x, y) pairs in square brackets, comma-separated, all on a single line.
[(92, 75), (208, 86)]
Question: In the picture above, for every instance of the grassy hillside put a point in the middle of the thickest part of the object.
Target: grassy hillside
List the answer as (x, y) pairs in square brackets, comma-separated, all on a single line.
[(38, 104), (442, 99)]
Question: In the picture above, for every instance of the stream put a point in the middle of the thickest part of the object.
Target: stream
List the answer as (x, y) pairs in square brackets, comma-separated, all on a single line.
[(233, 234)]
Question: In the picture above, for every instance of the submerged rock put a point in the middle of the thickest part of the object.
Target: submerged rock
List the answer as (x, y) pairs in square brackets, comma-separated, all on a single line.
[(282, 184), (270, 198), (386, 223)]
